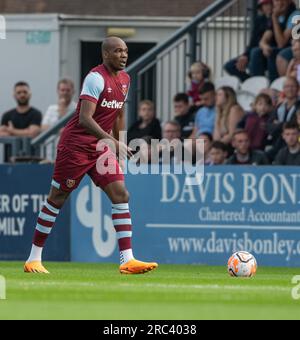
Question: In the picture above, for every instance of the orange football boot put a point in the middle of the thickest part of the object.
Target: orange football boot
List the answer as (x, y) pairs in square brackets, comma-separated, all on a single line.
[(35, 267), (137, 267)]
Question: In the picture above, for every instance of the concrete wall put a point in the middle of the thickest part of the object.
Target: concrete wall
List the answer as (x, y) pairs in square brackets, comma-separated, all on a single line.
[(29, 55)]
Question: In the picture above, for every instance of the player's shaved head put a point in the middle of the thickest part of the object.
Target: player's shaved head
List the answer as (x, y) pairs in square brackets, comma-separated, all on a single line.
[(110, 43), (114, 54)]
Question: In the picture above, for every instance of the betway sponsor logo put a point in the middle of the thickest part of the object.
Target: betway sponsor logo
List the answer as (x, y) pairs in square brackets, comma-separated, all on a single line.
[(112, 104)]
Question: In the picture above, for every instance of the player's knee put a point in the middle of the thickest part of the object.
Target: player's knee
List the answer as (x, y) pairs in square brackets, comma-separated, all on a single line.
[(58, 197), (122, 197)]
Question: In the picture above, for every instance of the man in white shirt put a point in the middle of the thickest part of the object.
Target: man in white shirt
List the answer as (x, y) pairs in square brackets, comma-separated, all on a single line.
[(65, 105)]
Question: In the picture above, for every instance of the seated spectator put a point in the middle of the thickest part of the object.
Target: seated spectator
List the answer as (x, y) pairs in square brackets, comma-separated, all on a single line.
[(290, 155), (285, 112), (229, 114), (255, 123), (199, 73), (65, 105), (171, 134), (147, 125), (24, 120), (286, 55), (243, 155), (276, 38), (238, 66), (218, 153), (184, 114), (205, 117), (294, 65)]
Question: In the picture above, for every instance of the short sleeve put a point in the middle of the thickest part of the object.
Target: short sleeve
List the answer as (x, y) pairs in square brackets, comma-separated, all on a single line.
[(48, 117), (36, 118), (5, 119), (92, 88), (290, 23)]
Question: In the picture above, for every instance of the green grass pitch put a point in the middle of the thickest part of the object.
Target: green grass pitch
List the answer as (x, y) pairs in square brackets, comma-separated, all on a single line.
[(98, 291)]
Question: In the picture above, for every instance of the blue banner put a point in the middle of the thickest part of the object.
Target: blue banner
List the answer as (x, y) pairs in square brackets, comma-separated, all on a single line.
[(23, 189), (235, 208)]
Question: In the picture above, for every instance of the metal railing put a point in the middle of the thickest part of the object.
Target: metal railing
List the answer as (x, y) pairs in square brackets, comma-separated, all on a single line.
[(45, 144), (214, 36)]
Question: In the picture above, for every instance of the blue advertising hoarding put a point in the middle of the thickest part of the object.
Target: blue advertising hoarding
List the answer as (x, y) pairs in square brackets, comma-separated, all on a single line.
[(235, 208), (23, 188)]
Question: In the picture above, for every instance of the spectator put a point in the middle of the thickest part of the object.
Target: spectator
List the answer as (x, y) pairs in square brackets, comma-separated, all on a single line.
[(286, 55), (290, 155), (273, 94), (238, 66), (276, 38), (172, 145), (147, 125), (218, 153), (286, 112), (255, 123), (184, 114), (198, 75), (24, 120), (208, 140), (229, 114), (65, 105), (243, 154), (205, 118), (294, 65)]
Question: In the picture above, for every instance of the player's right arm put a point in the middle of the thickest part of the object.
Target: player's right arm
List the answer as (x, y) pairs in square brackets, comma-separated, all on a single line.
[(91, 91)]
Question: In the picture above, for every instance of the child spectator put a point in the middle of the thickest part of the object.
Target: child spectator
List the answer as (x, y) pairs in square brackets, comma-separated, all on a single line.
[(255, 123), (199, 73)]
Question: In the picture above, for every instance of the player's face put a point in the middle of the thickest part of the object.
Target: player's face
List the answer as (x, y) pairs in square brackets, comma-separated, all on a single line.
[(22, 95), (118, 55)]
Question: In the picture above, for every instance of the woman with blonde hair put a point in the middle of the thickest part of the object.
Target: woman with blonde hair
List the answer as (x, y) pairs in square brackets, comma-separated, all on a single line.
[(229, 114)]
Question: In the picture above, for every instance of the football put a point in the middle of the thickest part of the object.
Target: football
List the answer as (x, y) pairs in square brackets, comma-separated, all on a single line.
[(242, 264)]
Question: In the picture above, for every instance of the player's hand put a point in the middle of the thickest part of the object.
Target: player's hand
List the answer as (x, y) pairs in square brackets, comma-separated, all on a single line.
[(123, 151), (242, 63)]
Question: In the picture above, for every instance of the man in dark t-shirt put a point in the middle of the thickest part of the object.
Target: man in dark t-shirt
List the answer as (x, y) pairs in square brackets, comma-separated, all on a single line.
[(24, 120), (290, 155), (184, 114)]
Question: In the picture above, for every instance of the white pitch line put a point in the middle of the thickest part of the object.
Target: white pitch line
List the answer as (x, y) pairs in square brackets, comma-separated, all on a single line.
[(214, 287), (235, 227)]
